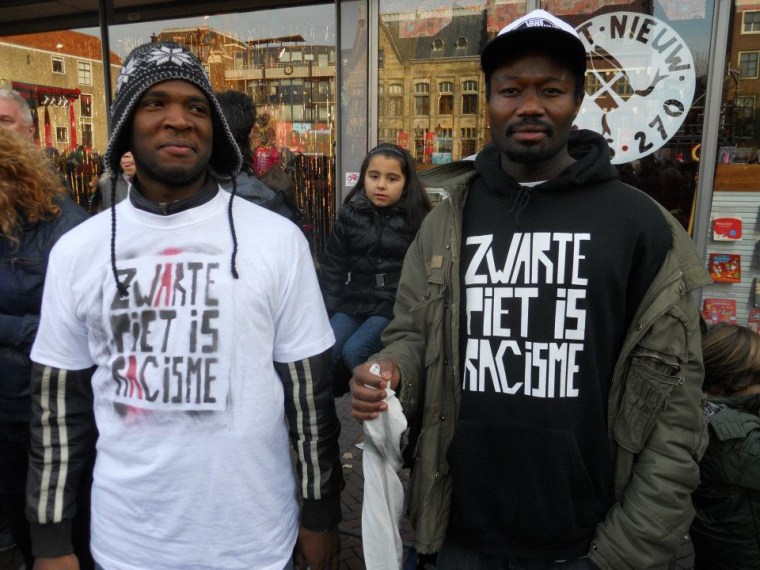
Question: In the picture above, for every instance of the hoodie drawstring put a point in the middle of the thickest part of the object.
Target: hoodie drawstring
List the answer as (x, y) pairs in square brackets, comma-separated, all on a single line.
[(521, 200)]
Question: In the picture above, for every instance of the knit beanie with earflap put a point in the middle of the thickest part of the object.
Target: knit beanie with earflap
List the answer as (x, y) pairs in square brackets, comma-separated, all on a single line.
[(153, 63), (146, 66)]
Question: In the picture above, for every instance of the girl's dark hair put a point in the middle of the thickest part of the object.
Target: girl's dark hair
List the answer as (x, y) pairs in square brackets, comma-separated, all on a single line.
[(731, 354), (414, 199)]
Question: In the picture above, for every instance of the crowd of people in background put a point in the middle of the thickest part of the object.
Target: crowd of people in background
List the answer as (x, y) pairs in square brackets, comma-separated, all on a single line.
[(572, 410)]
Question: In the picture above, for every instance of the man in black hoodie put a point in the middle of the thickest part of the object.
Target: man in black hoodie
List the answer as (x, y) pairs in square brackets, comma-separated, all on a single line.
[(543, 334)]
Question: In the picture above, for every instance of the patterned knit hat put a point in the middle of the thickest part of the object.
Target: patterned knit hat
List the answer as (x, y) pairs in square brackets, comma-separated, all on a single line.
[(153, 63)]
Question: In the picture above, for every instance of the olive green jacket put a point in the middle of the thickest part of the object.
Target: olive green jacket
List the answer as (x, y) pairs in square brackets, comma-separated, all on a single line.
[(656, 427)]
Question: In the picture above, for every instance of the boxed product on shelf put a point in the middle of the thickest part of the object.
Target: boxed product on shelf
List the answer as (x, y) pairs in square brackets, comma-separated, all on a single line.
[(725, 267), (727, 228), (753, 320), (719, 310)]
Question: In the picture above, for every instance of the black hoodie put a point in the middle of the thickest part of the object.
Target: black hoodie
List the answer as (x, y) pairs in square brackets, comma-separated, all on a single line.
[(551, 276)]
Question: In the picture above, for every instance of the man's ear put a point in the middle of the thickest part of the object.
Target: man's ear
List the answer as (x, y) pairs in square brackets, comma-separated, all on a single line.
[(578, 103)]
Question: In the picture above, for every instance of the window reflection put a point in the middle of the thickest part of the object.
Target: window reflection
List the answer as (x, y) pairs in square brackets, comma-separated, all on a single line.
[(284, 59), (736, 190), (430, 85)]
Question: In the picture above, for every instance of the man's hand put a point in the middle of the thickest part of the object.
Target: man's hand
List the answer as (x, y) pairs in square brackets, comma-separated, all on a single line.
[(67, 562), (368, 389), (317, 549)]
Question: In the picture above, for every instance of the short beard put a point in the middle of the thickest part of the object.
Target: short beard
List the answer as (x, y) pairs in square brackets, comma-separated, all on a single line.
[(167, 175), (530, 155)]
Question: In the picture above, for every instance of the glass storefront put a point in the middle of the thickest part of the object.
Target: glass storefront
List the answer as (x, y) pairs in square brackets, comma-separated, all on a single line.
[(733, 241), (285, 60), (672, 84), (648, 67)]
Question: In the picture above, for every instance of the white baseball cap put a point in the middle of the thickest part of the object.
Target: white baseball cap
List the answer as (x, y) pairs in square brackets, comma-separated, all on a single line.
[(538, 27)]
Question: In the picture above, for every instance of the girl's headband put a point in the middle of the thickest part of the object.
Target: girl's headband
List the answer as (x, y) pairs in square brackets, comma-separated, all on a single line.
[(390, 149)]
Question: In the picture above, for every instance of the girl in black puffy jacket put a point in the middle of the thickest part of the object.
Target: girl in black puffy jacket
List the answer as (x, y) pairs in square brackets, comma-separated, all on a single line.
[(360, 269)]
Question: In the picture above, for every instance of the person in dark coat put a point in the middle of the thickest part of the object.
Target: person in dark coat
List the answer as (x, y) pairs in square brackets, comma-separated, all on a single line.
[(240, 113), (35, 210), (726, 529), (360, 270)]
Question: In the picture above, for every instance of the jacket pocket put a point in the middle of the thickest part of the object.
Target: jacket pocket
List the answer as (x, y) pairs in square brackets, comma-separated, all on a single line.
[(650, 381), (428, 312)]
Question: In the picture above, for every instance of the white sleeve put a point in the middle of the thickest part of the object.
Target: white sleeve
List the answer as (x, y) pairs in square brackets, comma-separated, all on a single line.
[(302, 328), (62, 336)]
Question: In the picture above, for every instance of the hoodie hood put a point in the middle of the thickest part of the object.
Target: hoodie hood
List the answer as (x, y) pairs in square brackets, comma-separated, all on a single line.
[(592, 165)]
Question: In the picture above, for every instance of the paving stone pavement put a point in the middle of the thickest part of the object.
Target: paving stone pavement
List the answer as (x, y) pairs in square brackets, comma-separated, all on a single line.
[(352, 557)]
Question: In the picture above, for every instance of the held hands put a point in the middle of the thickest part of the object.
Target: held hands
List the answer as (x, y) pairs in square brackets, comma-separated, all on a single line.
[(317, 549), (67, 562), (368, 389)]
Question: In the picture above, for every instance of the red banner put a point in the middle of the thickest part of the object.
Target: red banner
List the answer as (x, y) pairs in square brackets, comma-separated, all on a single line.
[(73, 125), (402, 139), (48, 138), (429, 147)]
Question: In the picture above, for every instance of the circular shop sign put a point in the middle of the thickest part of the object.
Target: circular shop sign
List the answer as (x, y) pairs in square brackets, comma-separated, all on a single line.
[(639, 83)]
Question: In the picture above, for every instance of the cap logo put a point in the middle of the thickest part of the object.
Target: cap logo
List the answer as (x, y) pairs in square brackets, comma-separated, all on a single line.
[(537, 23)]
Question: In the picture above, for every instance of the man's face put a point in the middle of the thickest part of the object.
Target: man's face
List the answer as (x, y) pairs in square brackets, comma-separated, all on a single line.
[(172, 140), (12, 119), (531, 110)]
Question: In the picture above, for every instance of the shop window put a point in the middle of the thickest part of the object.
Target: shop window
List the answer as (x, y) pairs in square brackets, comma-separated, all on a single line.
[(84, 73), (395, 100), (61, 134), (623, 88), (446, 104), (748, 63), (395, 89), (593, 83), (422, 99), (443, 140), (437, 48), (745, 116), (57, 64), (470, 97), (446, 98), (461, 46), (419, 143), (468, 137), (380, 58), (85, 105), (751, 22), (469, 104), (86, 134)]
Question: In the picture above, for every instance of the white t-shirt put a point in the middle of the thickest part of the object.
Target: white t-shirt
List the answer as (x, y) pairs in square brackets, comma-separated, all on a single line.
[(193, 468)]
